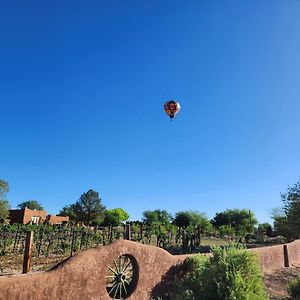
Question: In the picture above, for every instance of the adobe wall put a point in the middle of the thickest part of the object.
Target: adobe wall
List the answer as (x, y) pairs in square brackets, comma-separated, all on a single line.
[(23, 216), (293, 250), (270, 258), (83, 276), (29, 213), (52, 219)]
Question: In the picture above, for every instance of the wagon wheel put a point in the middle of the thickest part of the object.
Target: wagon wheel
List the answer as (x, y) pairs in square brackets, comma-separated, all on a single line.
[(121, 277)]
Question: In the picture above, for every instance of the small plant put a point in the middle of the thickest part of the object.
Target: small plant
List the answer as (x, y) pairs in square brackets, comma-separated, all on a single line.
[(231, 274), (294, 288)]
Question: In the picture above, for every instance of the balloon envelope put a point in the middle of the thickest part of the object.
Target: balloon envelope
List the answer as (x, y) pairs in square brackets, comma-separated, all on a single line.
[(171, 108)]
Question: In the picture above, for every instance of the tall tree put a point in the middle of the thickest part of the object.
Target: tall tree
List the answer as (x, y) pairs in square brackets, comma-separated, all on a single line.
[(242, 220), (31, 204), (88, 209), (287, 222), (157, 217), (4, 205), (4, 188), (194, 218), (281, 224), (4, 210), (68, 211), (115, 216)]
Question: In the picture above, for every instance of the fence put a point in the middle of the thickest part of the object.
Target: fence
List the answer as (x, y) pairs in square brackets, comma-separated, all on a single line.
[(67, 239)]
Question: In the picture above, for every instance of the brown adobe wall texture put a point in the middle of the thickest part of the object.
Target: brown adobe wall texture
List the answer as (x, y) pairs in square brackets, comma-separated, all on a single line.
[(52, 219), (23, 216), (270, 258), (279, 256), (83, 276), (29, 213), (293, 250)]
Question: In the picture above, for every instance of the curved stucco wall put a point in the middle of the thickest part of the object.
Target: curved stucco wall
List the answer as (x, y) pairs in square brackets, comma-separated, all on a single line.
[(83, 276)]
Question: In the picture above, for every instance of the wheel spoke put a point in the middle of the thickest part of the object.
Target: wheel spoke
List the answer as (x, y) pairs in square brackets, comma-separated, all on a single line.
[(113, 287), (115, 263), (128, 271), (124, 261), (116, 292), (120, 290), (120, 278), (124, 286), (119, 261), (113, 271), (127, 266)]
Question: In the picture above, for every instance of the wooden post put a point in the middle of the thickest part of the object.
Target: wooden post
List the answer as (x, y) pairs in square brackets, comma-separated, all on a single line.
[(286, 256), (198, 236), (127, 232), (16, 239), (141, 231), (110, 236), (27, 252), (73, 240)]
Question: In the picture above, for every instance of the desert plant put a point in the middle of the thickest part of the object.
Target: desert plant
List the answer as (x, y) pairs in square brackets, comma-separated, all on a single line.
[(232, 273), (294, 288), (186, 283)]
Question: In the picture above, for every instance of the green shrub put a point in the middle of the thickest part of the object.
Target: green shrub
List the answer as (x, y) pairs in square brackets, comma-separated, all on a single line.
[(231, 274), (294, 288), (187, 282)]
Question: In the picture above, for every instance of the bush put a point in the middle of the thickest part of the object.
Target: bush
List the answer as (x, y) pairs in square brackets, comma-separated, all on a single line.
[(294, 288), (231, 274), (187, 283)]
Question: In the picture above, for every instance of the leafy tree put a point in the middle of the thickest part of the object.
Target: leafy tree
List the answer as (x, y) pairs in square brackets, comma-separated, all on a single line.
[(287, 221), (31, 204), (4, 188), (68, 211), (264, 229), (4, 210), (115, 216), (88, 209), (182, 219), (193, 218), (242, 220), (158, 222), (4, 205), (226, 230), (157, 217), (281, 224)]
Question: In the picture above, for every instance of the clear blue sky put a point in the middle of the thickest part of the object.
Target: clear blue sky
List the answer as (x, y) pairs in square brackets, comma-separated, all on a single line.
[(82, 87)]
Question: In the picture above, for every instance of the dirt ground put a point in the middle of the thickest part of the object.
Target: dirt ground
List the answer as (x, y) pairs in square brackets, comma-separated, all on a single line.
[(12, 264), (275, 282)]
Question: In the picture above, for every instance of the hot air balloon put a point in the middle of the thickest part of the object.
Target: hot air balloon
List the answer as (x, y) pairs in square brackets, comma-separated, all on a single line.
[(171, 108)]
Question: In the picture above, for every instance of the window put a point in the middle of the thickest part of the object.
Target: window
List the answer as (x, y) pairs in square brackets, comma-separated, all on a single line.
[(35, 220)]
